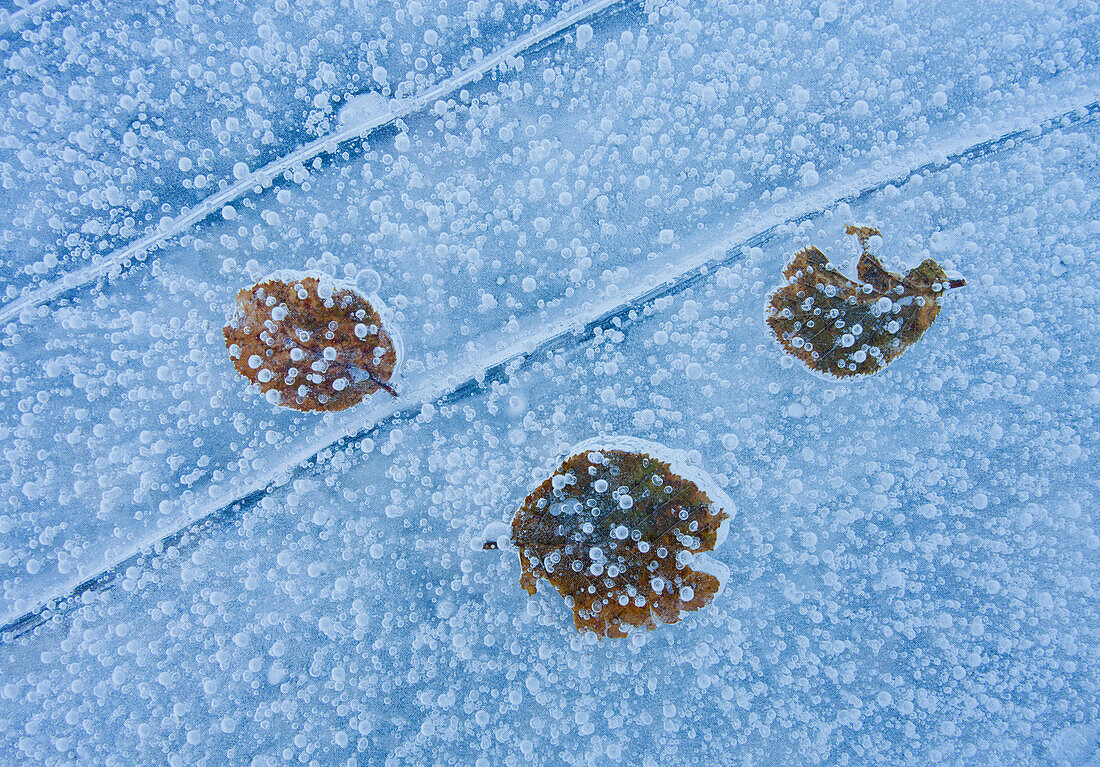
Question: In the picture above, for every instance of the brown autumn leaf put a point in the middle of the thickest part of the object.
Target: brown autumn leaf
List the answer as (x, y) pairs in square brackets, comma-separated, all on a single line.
[(837, 326), (619, 530), (310, 342)]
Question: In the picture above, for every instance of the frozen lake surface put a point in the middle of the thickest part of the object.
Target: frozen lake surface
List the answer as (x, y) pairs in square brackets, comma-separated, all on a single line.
[(572, 216)]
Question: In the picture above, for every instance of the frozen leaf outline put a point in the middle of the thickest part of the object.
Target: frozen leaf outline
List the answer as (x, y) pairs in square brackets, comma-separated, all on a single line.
[(620, 530), (312, 343), (844, 328)]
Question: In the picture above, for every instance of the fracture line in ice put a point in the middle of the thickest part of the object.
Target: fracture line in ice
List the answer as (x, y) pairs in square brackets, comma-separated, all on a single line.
[(264, 176), (560, 334), (13, 22)]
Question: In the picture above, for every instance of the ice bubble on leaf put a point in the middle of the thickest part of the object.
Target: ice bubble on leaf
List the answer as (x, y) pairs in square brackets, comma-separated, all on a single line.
[(624, 564), (845, 328), (319, 343)]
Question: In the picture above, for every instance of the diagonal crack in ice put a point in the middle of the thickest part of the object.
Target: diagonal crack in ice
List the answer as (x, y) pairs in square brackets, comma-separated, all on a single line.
[(16, 19), (556, 336), (263, 177)]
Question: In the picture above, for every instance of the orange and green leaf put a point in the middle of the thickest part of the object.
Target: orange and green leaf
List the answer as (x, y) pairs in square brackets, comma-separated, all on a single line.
[(616, 532), (315, 343), (845, 328)]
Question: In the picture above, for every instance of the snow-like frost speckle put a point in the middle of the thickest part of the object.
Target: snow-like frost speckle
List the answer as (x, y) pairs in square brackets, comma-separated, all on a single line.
[(575, 213)]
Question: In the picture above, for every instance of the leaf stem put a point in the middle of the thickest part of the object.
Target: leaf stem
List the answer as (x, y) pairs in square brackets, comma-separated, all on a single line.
[(386, 387)]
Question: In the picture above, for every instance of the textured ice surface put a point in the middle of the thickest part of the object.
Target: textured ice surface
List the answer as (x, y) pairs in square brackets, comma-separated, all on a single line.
[(914, 558), (521, 206)]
